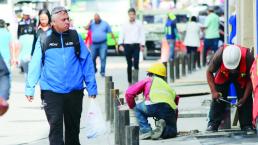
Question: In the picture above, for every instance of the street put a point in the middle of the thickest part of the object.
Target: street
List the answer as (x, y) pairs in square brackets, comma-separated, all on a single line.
[(25, 122)]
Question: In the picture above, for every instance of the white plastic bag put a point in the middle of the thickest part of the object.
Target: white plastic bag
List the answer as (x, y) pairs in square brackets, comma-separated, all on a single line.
[(95, 123)]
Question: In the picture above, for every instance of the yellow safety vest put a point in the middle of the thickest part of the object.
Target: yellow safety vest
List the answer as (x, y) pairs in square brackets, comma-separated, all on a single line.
[(161, 92)]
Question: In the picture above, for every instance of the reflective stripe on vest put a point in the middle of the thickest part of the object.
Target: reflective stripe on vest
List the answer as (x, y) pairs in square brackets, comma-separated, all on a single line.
[(223, 73), (161, 92)]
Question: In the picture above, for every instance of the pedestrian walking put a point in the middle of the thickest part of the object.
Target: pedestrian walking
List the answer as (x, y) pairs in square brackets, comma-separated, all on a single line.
[(6, 44), (4, 86), (158, 103), (132, 41), (26, 32), (99, 30), (171, 34), (44, 25), (62, 64), (221, 30), (192, 37), (231, 64), (211, 38)]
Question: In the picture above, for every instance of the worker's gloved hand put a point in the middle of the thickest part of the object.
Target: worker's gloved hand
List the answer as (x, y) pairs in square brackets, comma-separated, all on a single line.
[(241, 102), (216, 95)]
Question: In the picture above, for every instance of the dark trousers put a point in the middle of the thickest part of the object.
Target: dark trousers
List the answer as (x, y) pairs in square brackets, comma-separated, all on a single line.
[(159, 111), (132, 52), (217, 109), (65, 108), (212, 44), (191, 49)]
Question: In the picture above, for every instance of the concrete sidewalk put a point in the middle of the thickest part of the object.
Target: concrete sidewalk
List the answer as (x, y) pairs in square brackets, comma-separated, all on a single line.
[(26, 124)]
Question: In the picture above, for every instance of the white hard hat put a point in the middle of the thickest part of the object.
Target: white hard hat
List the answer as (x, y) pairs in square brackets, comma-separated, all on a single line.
[(231, 56)]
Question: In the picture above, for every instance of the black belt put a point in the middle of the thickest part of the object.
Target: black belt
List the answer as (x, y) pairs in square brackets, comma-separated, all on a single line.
[(99, 42)]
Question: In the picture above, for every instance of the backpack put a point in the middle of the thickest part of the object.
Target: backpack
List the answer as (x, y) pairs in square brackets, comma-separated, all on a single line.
[(72, 34), (3, 68)]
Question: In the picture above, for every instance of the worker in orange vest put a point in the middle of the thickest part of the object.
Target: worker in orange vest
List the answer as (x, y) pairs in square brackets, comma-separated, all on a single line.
[(231, 64)]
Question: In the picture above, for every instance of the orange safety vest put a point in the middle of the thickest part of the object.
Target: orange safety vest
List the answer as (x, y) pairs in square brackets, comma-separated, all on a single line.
[(223, 73)]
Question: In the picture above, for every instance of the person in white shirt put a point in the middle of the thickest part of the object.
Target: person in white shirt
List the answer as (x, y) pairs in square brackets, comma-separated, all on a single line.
[(132, 41), (192, 37)]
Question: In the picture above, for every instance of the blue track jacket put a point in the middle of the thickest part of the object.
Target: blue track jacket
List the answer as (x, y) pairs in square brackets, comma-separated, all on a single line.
[(62, 71)]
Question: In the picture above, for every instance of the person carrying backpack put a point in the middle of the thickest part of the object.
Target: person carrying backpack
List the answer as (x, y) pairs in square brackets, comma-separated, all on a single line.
[(62, 64), (4, 86)]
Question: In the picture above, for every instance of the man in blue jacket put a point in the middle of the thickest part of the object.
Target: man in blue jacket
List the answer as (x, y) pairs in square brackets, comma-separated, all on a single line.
[(62, 71), (4, 86)]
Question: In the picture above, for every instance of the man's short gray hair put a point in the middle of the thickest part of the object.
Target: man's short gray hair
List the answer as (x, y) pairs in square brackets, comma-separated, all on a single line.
[(56, 10)]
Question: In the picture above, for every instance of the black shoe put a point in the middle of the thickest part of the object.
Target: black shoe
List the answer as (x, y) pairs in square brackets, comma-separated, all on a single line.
[(102, 74), (249, 130), (211, 128)]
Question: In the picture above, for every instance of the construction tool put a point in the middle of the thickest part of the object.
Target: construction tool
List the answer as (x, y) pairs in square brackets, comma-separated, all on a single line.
[(233, 105)]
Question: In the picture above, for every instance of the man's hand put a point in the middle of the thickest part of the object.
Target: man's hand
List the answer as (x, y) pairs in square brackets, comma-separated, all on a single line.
[(121, 48), (241, 102), (142, 48), (30, 98), (216, 95)]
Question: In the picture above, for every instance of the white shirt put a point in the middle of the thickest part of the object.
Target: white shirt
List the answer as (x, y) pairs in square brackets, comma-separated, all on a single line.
[(192, 36), (132, 33)]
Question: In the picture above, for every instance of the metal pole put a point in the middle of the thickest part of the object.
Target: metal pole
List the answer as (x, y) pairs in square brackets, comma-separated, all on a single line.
[(108, 79), (132, 135), (198, 59), (171, 71), (114, 104), (177, 67), (122, 121), (183, 65)]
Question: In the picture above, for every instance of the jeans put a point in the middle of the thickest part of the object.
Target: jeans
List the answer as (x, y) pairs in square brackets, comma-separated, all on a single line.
[(63, 107), (218, 109), (25, 66), (171, 43), (101, 51), (159, 111), (209, 44), (132, 51), (5, 86)]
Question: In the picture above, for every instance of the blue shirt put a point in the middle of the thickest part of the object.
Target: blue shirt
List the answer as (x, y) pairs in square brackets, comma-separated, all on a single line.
[(170, 29), (99, 31), (5, 40)]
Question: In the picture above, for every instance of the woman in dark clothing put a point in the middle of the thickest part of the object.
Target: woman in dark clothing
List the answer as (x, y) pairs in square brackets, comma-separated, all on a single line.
[(43, 26)]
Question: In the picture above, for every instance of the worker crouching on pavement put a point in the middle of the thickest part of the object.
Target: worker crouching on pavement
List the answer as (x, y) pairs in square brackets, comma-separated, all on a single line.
[(231, 64), (158, 103)]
